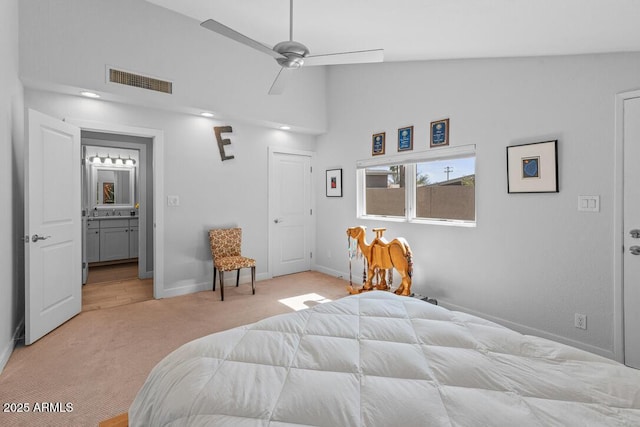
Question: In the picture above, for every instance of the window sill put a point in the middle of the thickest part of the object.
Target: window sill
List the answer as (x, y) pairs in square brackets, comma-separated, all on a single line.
[(444, 222)]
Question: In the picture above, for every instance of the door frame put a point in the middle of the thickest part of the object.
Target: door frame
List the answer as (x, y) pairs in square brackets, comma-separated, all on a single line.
[(157, 138), (618, 226), (271, 209), (141, 189)]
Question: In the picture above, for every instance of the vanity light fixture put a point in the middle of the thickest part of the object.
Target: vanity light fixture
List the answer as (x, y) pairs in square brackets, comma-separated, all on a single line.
[(285, 127), (108, 160), (206, 114), (89, 94)]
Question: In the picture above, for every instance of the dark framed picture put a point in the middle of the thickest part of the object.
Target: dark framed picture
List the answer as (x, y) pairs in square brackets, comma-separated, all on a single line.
[(533, 168), (377, 143), (334, 183), (439, 133), (405, 138)]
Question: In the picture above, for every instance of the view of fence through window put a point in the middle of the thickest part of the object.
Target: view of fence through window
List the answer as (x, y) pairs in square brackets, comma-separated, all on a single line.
[(444, 189), (386, 193)]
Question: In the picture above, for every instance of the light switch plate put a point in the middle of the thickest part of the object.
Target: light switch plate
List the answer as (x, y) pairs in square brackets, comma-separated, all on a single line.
[(589, 203), (173, 201)]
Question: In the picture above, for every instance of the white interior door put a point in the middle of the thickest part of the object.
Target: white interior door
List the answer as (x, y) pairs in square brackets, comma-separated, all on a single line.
[(53, 253), (631, 257), (290, 212)]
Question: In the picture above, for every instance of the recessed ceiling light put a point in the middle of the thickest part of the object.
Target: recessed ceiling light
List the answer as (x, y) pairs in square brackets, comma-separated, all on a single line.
[(205, 114), (89, 94), (285, 127)]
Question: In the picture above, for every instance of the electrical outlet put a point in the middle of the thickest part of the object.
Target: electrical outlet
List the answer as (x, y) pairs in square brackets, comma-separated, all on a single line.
[(173, 201), (581, 321)]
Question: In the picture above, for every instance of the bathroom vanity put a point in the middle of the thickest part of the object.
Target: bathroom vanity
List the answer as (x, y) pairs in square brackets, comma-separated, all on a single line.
[(111, 238)]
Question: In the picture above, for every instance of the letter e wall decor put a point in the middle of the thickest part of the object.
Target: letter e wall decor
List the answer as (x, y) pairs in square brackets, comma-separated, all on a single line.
[(222, 142)]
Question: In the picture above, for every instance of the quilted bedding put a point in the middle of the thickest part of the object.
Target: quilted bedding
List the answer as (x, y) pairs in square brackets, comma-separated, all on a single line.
[(377, 359)]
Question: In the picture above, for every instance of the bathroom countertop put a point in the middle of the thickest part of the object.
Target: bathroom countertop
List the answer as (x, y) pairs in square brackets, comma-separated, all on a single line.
[(92, 218)]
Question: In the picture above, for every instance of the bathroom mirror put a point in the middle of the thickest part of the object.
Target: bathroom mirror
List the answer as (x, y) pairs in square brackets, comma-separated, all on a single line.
[(112, 187)]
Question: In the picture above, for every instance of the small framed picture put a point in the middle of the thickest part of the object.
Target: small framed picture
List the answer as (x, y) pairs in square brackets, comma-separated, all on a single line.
[(405, 138), (377, 144), (533, 168), (334, 183), (108, 193), (439, 133)]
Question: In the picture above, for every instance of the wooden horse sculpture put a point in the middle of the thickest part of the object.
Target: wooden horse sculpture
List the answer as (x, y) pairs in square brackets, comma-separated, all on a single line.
[(382, 255)]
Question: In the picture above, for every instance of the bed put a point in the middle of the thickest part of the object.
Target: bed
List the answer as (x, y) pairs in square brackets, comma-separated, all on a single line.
[(378, 359)]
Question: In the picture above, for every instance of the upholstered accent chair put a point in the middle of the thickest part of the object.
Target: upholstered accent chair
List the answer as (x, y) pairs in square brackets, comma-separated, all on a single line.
[(226, 253)]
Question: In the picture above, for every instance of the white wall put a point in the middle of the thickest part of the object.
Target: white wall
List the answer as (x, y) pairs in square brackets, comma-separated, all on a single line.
[(11, 152), (212, 192), (66, 45), (533, 260)]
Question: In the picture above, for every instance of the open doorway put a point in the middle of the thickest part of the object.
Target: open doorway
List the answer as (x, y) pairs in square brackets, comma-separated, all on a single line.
[(117, 201)]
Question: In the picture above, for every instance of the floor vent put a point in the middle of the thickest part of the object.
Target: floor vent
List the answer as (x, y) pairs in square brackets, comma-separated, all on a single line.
[(136, 80)]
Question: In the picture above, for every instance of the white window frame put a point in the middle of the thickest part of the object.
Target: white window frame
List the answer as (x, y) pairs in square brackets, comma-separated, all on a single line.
[(409, 161)]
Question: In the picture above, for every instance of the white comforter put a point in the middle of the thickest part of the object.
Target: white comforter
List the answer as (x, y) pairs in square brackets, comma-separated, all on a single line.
[(377, 359)]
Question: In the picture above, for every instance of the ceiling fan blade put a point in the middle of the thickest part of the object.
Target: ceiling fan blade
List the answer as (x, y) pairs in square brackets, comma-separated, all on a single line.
[(282, 80), (356, 57), (222, 29)]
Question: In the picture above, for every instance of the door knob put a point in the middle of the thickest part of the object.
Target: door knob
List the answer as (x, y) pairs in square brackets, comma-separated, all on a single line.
[(635, 234), (278, 220), (35, 238), (635, 250)]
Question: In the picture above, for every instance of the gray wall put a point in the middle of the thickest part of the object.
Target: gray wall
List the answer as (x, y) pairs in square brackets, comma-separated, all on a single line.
[(11, 158), (533, 260)]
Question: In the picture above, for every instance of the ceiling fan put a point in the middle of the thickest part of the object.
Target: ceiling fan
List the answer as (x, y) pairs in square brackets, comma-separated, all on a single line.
[(291, 54)]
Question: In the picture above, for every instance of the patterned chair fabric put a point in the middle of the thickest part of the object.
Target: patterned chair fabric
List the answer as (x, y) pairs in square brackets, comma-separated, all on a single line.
[(226, 252)]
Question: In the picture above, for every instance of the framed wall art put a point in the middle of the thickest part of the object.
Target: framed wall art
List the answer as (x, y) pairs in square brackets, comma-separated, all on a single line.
[(405, 138), (439, 133), (377, 144), (533, 168), (108, 193), (334, 183)]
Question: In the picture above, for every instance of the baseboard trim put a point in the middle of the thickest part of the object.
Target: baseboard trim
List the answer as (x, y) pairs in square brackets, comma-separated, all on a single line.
[(526, 330), (189, 288), (8, 347), (331, 272)]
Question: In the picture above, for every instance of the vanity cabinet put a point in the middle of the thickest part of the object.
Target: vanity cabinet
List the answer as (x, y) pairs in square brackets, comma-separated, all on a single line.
[(93, 241), (117, 239), (133, 240), (114, 239)]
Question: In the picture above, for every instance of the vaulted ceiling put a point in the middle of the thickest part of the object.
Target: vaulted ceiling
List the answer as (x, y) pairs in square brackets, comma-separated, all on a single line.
[(411, 30)]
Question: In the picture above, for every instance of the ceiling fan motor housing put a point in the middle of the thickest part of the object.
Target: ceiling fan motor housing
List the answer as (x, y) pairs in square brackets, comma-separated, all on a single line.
[(293, 53)]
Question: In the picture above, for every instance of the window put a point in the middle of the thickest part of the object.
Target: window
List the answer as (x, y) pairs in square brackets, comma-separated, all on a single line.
[(433, 186), (385, 187)]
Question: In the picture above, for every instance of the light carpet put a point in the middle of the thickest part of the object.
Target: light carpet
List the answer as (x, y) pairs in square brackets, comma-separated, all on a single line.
[(98, 360)]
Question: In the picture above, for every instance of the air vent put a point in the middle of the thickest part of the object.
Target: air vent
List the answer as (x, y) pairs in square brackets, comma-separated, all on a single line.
[(136, 80)]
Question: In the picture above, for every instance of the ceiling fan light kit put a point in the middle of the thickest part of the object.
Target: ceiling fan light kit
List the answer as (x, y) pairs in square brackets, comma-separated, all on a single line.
[(291, 55)]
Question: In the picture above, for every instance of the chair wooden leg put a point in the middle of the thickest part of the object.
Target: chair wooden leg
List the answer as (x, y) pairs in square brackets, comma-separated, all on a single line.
[(221, 286), (238, 278), (253, 280), (214, 279)]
